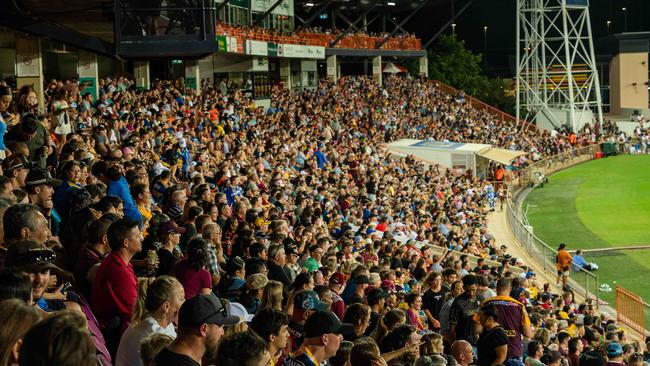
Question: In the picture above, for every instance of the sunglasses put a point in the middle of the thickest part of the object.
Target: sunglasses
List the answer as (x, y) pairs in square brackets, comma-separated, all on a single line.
[(221, 311)]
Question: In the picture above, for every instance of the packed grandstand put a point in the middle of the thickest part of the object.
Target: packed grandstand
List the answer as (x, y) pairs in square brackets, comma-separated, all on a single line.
[(162, 227)]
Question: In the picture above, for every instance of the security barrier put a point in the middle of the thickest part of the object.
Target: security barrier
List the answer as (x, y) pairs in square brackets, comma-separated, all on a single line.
[(630, 310)]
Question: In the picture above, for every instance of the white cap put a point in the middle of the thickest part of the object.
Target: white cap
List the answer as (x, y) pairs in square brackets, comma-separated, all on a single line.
[(237, 309)]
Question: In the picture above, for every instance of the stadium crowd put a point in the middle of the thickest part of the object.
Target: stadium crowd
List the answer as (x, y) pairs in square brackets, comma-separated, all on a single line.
[(162, 227)]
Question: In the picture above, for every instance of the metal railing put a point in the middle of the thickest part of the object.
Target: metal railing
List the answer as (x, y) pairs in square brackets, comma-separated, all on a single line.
[(582, 281)]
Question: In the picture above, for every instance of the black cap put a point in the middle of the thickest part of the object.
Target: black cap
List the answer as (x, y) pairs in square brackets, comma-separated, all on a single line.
[(320, 323), (30, 256), (204, 309), (37, 177), (17, 161)]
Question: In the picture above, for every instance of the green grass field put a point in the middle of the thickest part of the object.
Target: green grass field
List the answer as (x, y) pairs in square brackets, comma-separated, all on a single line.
[(604, 203)]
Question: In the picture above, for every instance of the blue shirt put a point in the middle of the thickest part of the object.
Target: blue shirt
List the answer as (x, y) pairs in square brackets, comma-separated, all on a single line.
[(579, 261), (120, 188)]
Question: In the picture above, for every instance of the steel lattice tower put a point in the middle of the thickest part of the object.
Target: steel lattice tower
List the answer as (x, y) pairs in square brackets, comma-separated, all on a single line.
[(556, 66)]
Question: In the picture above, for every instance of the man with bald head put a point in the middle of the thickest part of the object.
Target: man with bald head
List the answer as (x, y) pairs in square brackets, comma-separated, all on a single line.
[(462, 352)]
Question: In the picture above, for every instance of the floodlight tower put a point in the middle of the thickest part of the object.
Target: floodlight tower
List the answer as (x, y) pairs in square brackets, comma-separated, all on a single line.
[(557, 79)]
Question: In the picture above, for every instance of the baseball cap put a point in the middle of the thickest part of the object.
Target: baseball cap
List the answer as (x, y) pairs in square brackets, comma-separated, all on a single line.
[(238, 310), (256, 281), (37, 177), (614, 350), (337, 278), (204, 309), (320, 323), (309, 300), (170, 227), (17, 161), (30, 257)]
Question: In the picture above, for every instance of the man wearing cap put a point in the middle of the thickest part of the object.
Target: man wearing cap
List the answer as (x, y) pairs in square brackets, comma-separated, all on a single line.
[(40, 188), (15, 168), (337, 281), (37, 261), (304, 304), (322, 340), (614, 355), (277, 261), (200, 327), (362, 282)]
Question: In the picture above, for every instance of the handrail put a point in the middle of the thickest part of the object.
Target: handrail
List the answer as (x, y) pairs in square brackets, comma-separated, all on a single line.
[(523, 232), (478, 104), (317, 39)]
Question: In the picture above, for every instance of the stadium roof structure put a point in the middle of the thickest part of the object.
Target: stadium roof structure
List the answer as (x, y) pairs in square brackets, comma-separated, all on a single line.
[(456, 155)]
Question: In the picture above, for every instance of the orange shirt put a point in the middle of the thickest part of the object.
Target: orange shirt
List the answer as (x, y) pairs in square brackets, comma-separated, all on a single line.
[(563, 259)]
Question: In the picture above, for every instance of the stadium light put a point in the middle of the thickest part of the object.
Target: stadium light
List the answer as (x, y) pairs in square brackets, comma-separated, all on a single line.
[(390, 3), (309, 4)]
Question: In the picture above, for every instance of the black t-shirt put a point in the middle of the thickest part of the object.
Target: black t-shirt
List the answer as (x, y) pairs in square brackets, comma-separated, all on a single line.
[(462, 312), (487, 343), (167, 260), (169, 358), (374, 320), (433, 301)]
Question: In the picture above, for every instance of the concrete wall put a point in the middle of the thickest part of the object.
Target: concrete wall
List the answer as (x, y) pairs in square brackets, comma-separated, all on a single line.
[(626, 70)]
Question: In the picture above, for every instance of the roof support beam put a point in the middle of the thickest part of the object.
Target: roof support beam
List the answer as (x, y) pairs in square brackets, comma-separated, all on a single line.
[(401, 24), (222, 5), (318, 11), (267, 12)]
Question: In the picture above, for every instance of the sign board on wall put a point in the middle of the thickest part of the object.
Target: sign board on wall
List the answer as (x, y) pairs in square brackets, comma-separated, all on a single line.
[(88, 85), (28, 58), (256, 48)]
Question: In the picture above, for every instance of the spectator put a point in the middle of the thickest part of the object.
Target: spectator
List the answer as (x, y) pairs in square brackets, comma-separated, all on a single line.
[(24, 221), (513, 318), (614, 354), (563, 262), (462, 352), (114, 291), (492, 345), (156, 311), (277, 261), (433, 298), (16, 168), (151, 345), (321, 340), (49, 342), (535, 352), (200, 326), (191, 271), (16, 317), (272, 325), (579, 261), (245, 348), (305, 303), (358, 317), (462, 311)]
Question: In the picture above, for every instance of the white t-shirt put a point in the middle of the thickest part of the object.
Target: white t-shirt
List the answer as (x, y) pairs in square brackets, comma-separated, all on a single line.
[(128, 352)]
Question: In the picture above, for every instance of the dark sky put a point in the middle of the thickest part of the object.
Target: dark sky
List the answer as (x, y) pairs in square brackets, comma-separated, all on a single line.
[(499, 16)]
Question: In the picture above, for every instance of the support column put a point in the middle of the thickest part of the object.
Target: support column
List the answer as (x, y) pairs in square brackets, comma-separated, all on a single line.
[(376, 69), (193, 76), (285, 73), (424, 66), (141, 73), (29, 65), (332, 68), (88, 74), (206, 70)]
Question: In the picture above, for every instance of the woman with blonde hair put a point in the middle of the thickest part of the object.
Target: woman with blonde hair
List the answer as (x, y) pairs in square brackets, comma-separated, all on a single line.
[(16, 318), (156, 311), (272, 296)]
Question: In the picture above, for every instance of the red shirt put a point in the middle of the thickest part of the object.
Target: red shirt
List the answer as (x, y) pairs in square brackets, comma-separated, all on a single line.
[(115, 291), (191, 279)]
